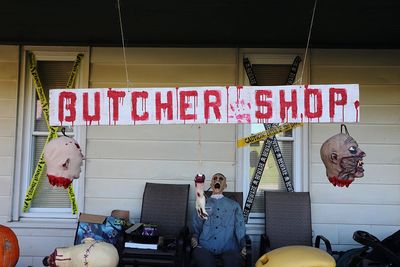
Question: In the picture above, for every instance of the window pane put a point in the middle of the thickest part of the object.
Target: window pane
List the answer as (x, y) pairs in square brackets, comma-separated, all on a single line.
[(53, 75), (268, 75), (271, 178)]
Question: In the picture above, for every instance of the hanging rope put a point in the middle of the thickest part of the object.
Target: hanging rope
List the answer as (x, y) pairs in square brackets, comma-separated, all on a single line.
[(308, 42), (123, 44)]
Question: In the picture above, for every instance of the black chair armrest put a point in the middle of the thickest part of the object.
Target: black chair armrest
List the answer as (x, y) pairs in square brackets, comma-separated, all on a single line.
[(264, 244), (326, 241), (249, 253)]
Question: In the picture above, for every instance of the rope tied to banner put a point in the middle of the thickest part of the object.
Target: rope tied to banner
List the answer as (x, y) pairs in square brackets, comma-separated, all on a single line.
[(123, 43), (52, 131)]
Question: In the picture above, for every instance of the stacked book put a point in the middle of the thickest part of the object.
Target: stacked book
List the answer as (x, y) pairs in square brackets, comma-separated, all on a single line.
[(138, 240), (131, 244)]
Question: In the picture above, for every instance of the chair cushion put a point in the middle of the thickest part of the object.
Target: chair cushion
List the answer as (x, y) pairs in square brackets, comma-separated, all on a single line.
[(296, 256)]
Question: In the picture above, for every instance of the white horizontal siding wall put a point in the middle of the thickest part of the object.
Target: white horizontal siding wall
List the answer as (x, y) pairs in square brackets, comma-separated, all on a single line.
[(371, 203), (120, 160), (36, 242), (8, 116)]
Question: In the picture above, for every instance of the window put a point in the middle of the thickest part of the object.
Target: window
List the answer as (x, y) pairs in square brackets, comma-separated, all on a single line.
[(271, 70), (54, 68)]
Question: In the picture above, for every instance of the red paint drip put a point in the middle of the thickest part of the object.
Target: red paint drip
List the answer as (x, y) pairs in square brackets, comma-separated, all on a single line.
[(196, 103), (96, 115), (109, 112), (70, 104), (227, 104), (334, 100), (238, 93), (357, 105), (117, 97), (134, 112), (177, 102)]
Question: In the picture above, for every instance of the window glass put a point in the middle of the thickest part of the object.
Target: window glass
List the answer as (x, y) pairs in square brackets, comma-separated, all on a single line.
[(52, 74), (269, 75)]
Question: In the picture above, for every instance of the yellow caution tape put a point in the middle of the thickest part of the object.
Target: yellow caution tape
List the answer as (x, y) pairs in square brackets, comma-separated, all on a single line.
[(267, 133), (75, 68), (53, 132), (72, 199)]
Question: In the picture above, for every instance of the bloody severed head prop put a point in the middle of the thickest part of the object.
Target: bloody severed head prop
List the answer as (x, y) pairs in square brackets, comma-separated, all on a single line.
[(63, 158), (343, 159)]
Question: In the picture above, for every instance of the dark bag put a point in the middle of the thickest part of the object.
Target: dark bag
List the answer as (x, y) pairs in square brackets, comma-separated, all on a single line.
[(376, 253)]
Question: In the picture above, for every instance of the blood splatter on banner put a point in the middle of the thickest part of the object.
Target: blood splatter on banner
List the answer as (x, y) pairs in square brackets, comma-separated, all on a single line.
[(205, 105)]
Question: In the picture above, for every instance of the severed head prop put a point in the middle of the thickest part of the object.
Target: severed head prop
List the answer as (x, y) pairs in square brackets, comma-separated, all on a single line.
[(63, 157), (343, 159)]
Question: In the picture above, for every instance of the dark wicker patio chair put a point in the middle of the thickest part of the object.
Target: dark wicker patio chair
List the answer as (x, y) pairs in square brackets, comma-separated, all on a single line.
[(164, 205), (288, 221)]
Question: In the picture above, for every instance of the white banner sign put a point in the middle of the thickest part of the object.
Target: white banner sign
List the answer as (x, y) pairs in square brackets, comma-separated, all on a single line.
[(194, 105)]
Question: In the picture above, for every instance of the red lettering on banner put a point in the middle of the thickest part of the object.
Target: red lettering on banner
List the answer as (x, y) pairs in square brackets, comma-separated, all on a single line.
[(339, 102), (214, 105), (184, 105), (135, 116), (96, 116), (285, 105), (70, 102), (164, 106), (115, 96), (316, 93), (262, 104)]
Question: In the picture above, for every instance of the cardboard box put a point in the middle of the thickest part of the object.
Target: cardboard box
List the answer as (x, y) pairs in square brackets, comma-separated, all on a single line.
[(99, 227)]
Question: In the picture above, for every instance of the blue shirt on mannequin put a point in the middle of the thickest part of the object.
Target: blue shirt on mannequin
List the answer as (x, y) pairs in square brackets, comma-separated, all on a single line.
[(224, 229)]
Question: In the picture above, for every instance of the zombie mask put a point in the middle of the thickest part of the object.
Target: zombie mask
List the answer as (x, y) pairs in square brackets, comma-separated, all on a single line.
[(63, 158), (343, 159), (218, 183)]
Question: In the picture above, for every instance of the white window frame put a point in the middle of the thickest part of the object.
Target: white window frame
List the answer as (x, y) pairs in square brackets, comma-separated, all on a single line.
[(300, 135), (26, 103)]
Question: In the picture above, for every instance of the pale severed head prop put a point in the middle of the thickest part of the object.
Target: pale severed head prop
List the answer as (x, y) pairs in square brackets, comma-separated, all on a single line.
[(218, 183), (343, 159), (63, 158)]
